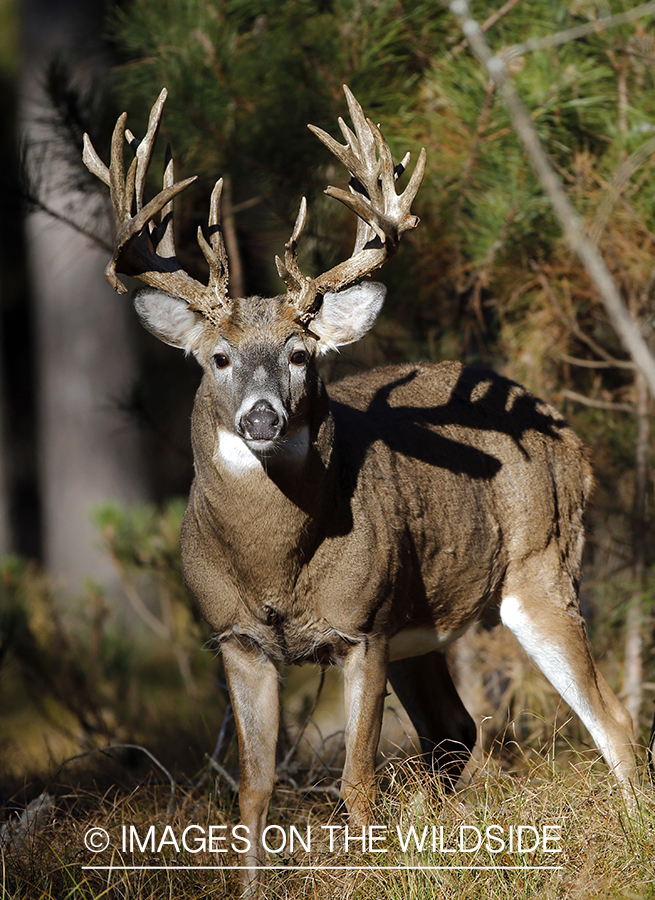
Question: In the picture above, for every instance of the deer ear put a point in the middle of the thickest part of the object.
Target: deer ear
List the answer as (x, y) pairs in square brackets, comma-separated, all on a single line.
[(347, 315), (168, 318)]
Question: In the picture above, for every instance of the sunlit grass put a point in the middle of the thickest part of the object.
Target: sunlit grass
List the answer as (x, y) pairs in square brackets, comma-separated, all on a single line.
[(603, 851)]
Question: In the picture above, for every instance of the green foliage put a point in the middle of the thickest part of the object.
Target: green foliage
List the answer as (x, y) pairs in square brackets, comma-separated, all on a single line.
[(51, 661), (144, 543), (145, 540), (245, 78), (76, 672)]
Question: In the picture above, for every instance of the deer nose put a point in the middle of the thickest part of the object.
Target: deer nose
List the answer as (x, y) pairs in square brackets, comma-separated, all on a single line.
[(262, 422)]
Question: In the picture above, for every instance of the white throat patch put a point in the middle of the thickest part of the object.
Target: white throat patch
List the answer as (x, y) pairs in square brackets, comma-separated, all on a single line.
[(233, 452), (235, 455)]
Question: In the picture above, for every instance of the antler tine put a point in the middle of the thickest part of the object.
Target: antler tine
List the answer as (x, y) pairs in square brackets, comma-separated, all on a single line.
[(141, 247), (402, 165), (93, 162), (358, 153), (410, 192), (164, 235), (117, 169), (214, 221), (386, 166), (365, 158), (345, 154), (365, 231), (397, 206), (351, 139), (215, 253), (289, 270), (145, 147), (300, 288)]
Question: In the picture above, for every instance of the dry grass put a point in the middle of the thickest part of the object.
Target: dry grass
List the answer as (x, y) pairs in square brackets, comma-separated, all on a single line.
[(604, 854), (536, 775)]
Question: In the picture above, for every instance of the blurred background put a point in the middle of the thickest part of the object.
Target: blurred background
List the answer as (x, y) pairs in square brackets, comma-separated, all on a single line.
[(98, 640)]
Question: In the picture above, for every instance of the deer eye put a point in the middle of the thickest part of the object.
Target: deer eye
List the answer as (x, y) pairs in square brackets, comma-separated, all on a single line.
[(221, 360), (298, 358)]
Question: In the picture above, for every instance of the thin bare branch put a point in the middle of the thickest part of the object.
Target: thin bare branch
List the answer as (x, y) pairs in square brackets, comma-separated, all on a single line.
[(623, 175), (330, 789), (292, 751), (580, 31), (575, 329), (228, 716), (570, 222), (598, 404), (635, 619), (109, 747), (595, 363), (222, 771), (487, 24)]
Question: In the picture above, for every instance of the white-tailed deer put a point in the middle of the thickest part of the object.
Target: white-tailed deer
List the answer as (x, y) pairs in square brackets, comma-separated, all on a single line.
[(369, 524)]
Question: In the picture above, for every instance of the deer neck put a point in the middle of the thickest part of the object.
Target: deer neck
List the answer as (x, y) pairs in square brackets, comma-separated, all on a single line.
[(266, 516)]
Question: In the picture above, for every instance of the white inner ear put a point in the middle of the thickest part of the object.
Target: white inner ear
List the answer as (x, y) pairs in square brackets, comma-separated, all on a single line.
[(168, 318), (347, 315)]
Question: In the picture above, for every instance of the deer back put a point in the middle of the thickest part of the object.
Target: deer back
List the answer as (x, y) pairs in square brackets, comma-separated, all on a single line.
[(479, 472)]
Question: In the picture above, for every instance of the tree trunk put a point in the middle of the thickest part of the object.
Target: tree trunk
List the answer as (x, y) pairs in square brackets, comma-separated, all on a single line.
[(5, 539), (634, 623), (89, 450)]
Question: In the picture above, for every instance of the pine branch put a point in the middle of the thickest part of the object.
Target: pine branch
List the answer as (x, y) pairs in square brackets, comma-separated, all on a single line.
[(571, 223)]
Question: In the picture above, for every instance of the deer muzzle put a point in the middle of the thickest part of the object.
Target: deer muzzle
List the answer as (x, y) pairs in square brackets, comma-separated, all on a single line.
[(263, 423)]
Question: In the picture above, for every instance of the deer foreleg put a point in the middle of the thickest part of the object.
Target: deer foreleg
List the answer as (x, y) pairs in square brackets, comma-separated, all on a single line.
[(365, 674), (252, 680)]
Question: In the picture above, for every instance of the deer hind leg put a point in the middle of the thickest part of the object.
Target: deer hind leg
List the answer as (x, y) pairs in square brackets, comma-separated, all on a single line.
[(540, 606), (445, 729)]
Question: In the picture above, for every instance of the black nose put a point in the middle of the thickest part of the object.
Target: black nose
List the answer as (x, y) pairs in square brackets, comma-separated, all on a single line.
[(262, 423)]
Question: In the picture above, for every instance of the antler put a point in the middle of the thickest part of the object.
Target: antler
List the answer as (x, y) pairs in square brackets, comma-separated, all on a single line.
[(145, 249), (383, 214)]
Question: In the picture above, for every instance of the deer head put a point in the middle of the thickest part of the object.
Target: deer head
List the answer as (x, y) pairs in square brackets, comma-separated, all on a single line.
[(258, 354)]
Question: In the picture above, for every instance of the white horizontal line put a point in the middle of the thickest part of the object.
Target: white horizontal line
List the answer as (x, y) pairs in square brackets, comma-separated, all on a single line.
[(326, 868)]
